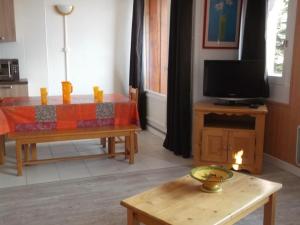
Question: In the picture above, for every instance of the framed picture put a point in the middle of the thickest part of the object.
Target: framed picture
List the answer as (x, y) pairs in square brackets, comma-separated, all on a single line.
[(222, 19)]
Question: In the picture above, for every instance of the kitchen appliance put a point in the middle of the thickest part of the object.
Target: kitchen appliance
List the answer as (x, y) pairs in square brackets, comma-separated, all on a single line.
[(9, 70)]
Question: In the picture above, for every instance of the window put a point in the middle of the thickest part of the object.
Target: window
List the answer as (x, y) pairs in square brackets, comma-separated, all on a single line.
[(279, 38), (157, 19)]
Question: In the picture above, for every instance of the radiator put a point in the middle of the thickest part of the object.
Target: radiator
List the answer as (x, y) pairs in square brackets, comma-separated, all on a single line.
[(298, 147)]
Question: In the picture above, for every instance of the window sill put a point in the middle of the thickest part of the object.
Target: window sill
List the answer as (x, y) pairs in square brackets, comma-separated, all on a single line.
[(273, 80)]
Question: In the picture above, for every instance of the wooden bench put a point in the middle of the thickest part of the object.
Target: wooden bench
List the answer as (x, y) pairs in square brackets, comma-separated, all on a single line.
[(28, 140)]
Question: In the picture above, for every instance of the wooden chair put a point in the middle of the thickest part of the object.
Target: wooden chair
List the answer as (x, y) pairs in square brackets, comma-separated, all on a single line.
[(134, 96)]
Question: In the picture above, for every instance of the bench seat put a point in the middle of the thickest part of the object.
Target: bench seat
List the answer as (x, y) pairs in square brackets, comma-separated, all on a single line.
[(25, 139)]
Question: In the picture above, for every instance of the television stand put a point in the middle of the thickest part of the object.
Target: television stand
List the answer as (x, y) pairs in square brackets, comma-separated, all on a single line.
[(219, 132)]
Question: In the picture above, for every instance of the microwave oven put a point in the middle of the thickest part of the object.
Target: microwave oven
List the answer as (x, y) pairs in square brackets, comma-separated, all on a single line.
[(9, 70)]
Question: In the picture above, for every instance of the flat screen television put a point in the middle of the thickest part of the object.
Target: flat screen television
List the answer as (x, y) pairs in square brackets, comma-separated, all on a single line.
[(235, 79)]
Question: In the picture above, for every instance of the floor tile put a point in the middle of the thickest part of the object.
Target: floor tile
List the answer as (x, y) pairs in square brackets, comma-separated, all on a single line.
[(72, 169), (41, 173)]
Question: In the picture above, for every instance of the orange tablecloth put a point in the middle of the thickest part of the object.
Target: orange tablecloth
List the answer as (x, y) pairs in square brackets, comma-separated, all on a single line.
[(27, 114)]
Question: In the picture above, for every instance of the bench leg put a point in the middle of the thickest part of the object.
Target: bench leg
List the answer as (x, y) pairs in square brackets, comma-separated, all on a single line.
[(131, 148), (2, 149), (127, 146), (34, 155), (111, 147), (19, 158)]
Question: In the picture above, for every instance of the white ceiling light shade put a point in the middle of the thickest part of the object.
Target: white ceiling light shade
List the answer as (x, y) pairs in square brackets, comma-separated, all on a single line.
[(64, 9)]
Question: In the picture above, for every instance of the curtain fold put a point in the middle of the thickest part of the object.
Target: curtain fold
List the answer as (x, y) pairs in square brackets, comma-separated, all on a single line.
[(136, 76), (179, 101), (254, 38)]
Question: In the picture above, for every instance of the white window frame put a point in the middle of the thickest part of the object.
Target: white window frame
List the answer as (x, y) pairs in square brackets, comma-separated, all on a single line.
[(284, 80)]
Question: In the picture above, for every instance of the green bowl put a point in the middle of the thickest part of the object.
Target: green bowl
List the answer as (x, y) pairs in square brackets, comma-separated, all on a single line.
[(211, 177)]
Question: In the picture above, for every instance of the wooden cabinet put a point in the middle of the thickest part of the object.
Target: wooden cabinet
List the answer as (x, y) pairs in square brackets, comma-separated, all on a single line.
[(13, 90), (219, 132), (7, 21)]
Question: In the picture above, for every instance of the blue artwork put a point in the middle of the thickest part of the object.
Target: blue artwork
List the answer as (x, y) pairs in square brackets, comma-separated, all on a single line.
[(222, 22)]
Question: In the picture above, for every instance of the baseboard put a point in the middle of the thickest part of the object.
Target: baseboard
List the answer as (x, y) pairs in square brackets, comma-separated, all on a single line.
[(282, 164), (156, 132), (156, 125)]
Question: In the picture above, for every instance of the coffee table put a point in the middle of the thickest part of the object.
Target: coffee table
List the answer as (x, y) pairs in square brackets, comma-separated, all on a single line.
[(180, 202)]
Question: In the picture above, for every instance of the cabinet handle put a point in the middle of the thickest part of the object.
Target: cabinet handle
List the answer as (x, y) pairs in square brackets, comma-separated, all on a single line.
[(2, 38), (6, 87)]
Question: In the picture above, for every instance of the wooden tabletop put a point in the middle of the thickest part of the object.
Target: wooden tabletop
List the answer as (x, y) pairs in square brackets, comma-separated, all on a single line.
[(181, 202)]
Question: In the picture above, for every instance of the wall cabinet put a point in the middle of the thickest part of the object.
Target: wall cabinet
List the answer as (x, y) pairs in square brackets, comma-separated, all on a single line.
[(7, 21), (220, 132)]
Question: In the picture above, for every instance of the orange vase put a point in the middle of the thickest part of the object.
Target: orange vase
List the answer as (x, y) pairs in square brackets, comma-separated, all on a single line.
[(67, 90)]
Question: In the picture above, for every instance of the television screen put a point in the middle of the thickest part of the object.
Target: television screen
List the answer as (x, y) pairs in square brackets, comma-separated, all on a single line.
[(234, 79)]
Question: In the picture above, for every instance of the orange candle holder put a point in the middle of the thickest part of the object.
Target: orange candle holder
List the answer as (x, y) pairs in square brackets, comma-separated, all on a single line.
[(44, 96), (67, 90)]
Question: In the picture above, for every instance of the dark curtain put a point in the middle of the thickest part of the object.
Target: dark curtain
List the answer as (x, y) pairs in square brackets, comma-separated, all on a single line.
[(254, 38), (136, 77), (178, 138), (254, 41)]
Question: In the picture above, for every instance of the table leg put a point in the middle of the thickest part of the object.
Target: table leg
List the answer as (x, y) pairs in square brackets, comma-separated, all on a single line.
[(131, 148), (103, 142), (269, 211), (2, 149), (136, 145), (131, 220), (111, 147), (19, 158), (34, 154), (27, 153)]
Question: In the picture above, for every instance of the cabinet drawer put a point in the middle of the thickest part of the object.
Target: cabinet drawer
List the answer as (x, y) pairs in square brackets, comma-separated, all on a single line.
[(16, 90)]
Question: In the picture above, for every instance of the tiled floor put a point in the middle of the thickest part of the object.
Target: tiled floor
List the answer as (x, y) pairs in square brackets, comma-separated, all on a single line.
[(151, 156)]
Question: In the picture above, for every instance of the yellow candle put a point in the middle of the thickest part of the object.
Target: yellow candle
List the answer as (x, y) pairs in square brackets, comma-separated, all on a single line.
[(99, 96), (96, 89), (44, 94), (67, 89)]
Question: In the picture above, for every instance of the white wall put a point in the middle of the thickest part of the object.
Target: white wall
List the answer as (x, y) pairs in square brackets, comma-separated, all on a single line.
[(200, 54), (30, 47), (99, 41)]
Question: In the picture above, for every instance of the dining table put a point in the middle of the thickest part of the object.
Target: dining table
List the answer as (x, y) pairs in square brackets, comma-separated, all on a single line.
[(24, 117)]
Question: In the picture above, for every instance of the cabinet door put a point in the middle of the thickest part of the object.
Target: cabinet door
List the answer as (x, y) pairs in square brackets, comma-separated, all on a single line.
[(214, 145), (242, 140), (17, 90), (7, 21)]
